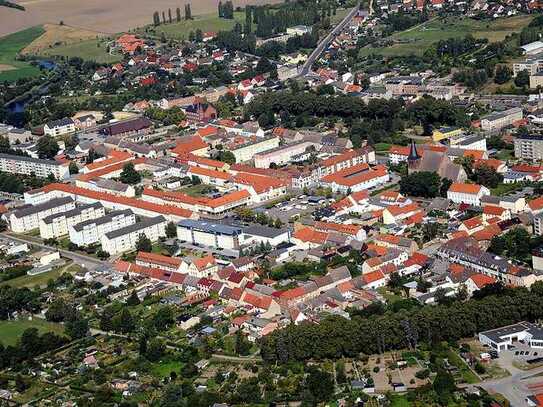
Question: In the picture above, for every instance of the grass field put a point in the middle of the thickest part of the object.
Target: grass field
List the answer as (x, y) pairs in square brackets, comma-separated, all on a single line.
[(10, 46), (11, 331), (89, 50), (33, 281), (417, 39), (204, 22)]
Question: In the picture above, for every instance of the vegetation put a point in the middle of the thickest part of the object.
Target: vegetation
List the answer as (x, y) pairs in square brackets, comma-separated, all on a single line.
[(424, 184), (10, 47)]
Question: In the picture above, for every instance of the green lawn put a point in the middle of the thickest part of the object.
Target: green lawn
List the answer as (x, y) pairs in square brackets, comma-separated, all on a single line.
[(89, 50), (399, 401), (389, 296), (197, 190), (204, 22), (10, 46), (417, 40), (467, 374), (10, 331), (382, 146), (33, 281), (163, 369)]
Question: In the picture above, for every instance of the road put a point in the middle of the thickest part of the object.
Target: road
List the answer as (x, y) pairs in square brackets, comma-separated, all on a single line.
[(83, 260), (326, 41)]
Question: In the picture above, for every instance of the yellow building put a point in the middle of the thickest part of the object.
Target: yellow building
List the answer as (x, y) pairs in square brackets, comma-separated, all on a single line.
[(445, 133)]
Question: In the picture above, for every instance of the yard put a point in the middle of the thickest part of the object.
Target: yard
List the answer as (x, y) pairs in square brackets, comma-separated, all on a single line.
[(204, 22), (89, 50), (417, 39), (10, 46), (40, 280), (11, 331)]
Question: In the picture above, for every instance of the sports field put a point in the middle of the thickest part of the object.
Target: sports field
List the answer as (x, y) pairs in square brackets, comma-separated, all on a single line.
[(11, 331), (416, 40)]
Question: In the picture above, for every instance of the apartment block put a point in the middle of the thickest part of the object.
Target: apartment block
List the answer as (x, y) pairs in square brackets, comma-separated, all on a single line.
[(28, 218), (125, 239), (529, 147), (57, 225), (498, 120), (15, 164), (91, 231)]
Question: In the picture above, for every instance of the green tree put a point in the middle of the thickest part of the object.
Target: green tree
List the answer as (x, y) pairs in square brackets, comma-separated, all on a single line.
[(129, 175), (74, 169), (47, 147), (487, 176), (171, 230), (503, 74), (522, 79), (423, 183), (320, 384), (144, 244), (77, 328), (155, 349), (133, 299), (227, 157)]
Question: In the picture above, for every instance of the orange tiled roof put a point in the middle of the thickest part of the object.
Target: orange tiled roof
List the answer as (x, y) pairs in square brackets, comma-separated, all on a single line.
[(159, 259), (308, 234), (338, 227), (100, 172), (473, 223), (481, 280), (396, 210), (356, 174), (260, 183), (458, 187), (207, 172), (372, 277), (204, 262), (536, 204), (493, 210), (185, 146)]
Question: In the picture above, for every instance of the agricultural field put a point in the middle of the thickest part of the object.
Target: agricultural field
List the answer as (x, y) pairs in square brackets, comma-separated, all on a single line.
[(415, 40), (11, 331), (204, 22), (89, 50), (10, 46)]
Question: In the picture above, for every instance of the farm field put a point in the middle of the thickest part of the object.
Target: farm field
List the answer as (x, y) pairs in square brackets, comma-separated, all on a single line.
[(204, 22), (11, 331), (417, 39), (89, 50), (99, 15), (10, 46)]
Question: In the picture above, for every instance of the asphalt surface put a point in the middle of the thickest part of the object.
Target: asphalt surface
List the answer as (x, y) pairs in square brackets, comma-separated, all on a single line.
[(326, 41), (85, 261)]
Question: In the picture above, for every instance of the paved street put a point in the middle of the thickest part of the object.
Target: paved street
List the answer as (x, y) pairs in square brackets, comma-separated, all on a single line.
[(83, 260)]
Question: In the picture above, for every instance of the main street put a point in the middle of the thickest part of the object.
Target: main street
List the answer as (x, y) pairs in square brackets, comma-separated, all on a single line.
[(83, 260), (326, 41)]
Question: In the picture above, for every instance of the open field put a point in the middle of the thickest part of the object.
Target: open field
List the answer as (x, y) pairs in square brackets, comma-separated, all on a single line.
[(417, 39), (11, 331), (63, 40), (10, 46), (205, 22), (99, 15)]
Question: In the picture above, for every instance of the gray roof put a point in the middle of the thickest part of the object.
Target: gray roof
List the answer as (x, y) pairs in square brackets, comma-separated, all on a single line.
[(31, 210), (264, 231), (104, 219), (497, 334), (209, 227), (111, 185), (59, 123), (30, 159), (74, 212), (142, 224)]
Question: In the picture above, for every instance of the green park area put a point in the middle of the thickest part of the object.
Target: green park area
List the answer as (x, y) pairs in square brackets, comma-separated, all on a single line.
[(10, 68), (89, 50), (415, 40), (11, 331)]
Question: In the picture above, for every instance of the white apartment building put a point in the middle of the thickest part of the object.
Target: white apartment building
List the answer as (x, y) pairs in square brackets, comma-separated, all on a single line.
[(209, 234), (247, 151), (91, 231), (15, 164), (470, 194), (125, 239), (60, 127), (498, 120), (28, 218), (57, 225), (282, 154)]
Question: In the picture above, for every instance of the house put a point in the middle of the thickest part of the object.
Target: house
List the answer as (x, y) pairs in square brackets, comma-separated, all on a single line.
[(60, 127), (467, 193), (201, 112), (85, 122)]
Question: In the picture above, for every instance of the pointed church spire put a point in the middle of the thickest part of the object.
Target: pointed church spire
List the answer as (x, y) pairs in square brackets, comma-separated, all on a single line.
[(413, 153)]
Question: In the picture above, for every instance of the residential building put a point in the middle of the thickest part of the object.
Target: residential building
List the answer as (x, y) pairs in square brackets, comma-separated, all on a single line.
[(247, 151), (58, 224), (356, 178), (125, 239), (209, 234), (529, 147), (498, 120), (28, 218), (285, 154), (15, 164), (91, 231), (59, 127), (467, 193)]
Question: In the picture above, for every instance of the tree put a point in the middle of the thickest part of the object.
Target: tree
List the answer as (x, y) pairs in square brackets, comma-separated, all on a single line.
[(59, 311), (129, 175), (423, 183), (156, 19), (155, 349), (74, 169), (77, 328), (144, 244), (487, 176), (444, 386), (503, 74), (47, 147), (133, 299), (123, 322), (522, 79), (171, 230), (227, 157), (320, 384), (242, 346), (178, 14), (264, 65), (170, 20), (188, 12)]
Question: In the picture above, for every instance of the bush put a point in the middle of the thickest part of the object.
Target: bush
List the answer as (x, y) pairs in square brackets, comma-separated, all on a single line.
[(422, 374), (480, 369), (376, 369)]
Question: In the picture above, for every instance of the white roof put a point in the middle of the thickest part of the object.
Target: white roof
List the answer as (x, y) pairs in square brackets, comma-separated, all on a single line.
[(532, 46)]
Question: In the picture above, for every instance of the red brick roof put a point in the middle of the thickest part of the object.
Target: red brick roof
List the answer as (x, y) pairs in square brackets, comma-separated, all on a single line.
[(155, 258), (472, 189)]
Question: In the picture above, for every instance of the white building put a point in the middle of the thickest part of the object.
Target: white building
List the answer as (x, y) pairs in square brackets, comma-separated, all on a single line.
[(498, 120), (28, 218), (357, 178), (92, 230), (299, 30), (247, 151), (256, 234), (503, 338), (15, 164), (60, 127), (209, 234), (126, 239), (57, 225), (283, 154), (470, 194)]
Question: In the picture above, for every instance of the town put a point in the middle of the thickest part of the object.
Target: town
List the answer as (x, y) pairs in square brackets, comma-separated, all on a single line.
[(325, 203)]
